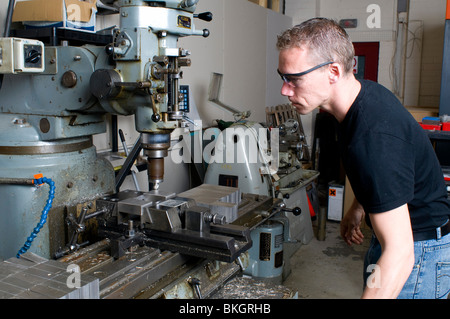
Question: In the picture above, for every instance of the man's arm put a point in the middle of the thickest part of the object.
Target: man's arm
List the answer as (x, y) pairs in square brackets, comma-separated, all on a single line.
[(393, 230)]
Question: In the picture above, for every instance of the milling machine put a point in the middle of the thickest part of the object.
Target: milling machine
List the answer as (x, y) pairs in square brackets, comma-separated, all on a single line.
[(54, 97), (52, 107)]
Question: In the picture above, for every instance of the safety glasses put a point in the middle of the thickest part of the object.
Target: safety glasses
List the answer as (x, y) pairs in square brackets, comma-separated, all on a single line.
[(290, 78)]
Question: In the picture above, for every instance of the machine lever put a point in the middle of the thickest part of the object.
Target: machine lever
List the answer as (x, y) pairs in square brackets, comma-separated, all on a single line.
[(155, 117), (296, 210), (195, 283), (126, 166), (79, 227), (187, 119), (205, 16), (133, 173)]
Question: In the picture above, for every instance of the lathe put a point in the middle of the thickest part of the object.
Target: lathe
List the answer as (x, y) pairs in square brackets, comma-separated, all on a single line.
[(55, 93)]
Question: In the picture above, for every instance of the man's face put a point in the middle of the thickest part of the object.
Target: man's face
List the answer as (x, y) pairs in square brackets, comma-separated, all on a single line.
[(308, 91)]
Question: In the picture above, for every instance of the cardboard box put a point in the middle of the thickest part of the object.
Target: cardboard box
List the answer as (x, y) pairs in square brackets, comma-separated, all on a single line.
[(335, 201), (420, 112), (70, 14)]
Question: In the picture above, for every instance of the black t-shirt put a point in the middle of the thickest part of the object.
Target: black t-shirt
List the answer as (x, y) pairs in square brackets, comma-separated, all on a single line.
[(389, 159)]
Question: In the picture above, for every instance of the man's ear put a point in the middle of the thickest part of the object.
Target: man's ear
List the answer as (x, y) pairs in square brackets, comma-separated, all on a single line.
[(335, 72)]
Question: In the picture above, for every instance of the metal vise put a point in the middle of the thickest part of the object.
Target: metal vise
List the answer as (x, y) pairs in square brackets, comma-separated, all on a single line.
[(170, 223)]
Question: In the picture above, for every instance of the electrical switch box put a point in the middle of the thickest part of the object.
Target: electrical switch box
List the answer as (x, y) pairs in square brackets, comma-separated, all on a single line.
[(21, 56)]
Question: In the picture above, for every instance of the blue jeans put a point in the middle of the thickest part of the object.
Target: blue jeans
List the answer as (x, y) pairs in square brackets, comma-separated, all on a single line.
[(430, 277)]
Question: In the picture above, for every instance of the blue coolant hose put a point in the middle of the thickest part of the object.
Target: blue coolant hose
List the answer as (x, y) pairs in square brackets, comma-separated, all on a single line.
[(45, 211)]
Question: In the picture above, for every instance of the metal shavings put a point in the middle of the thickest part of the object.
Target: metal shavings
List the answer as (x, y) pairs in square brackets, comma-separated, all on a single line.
[(249, 288)]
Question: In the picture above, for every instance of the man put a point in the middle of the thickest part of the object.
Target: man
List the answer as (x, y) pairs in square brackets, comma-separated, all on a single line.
[(389, 160)]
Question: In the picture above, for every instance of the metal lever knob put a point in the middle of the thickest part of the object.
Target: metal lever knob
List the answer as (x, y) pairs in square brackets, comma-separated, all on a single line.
[(296, 210), (205, 16)]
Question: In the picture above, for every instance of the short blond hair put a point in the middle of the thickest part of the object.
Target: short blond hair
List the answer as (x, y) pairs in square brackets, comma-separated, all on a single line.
[(324, 38)]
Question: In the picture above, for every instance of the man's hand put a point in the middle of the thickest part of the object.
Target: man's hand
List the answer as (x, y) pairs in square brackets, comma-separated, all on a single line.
[(351, 223)]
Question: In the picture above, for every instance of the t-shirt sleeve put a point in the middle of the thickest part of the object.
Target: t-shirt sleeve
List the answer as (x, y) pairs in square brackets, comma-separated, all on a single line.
[(381, 172)]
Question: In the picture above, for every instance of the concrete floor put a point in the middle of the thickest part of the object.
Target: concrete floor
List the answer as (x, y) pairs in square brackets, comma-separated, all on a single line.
[(328, 269)]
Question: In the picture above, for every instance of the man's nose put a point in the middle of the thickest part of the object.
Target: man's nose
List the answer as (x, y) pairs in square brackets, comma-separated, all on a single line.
[(286, 89)]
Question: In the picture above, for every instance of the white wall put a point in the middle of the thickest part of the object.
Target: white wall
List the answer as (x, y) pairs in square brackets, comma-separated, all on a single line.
[(3, 9), (275, 26)]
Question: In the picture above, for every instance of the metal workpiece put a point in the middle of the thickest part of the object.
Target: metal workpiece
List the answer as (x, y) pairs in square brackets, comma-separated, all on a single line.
[(222, 201), (34, 277), (128, 204)]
